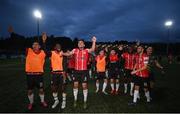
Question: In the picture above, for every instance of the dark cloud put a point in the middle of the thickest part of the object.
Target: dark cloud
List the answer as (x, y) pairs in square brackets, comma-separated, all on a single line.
[(107, 19)]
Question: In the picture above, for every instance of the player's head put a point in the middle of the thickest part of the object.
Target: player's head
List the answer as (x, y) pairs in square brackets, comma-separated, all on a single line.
[(81, 43), (121, 47), (36, 46), (130, 49), (57, 47), (140, 49), (113, 52), (101, 52), (149, 50)]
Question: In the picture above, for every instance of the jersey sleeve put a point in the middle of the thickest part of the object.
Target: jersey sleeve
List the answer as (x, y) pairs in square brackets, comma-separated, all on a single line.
[(88, 50)]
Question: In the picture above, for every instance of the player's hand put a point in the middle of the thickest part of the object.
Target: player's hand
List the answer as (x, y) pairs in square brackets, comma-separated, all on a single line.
[(133, 72), (93, 39), (44, 37)]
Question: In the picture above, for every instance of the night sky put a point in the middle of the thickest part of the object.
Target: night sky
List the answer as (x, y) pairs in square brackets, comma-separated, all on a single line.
[(109, 20)]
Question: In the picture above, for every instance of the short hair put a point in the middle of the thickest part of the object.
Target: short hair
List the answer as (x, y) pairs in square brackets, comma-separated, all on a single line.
[(114, 49), (36, 42), (57, 44), (81, 40), (140, 46)]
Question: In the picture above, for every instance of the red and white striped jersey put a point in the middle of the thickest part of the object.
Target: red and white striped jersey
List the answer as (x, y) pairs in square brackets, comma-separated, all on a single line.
[(129, 60), (141, 61), (81, 58)]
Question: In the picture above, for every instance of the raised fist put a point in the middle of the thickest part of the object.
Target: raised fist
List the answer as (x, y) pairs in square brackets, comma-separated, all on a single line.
[(44, 37), (93, 39)]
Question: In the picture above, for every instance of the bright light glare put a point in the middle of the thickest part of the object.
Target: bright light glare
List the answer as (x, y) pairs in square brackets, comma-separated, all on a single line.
[(168, 23), (37, 14)]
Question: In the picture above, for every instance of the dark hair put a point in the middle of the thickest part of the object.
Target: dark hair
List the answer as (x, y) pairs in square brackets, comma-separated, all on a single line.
[(140, 46), (149, 47), (101, 50), (57, 44), (114, 49), (36, 42), (81, 40)]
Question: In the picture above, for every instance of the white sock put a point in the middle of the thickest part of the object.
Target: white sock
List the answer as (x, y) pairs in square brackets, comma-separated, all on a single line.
[(112, 86), (147, 94), (85, 93), (64, 97), (104, 86), (31, 98), (75, 92), (97, 86), (132, 87), (41, 97), (55, 95), (117, 86), (125, 87), (136, 93)]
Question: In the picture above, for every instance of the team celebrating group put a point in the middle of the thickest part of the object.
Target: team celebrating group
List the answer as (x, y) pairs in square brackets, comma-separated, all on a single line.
[(134, 63)]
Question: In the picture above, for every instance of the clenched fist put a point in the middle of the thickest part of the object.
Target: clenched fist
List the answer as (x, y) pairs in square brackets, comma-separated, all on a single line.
[(93, 39), (44, 37)]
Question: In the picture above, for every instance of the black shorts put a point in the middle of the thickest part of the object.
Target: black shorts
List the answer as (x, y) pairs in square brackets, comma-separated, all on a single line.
[(80, 76), (151, 77), (143, 82), (70, 70), (133, 78), (34, 81), (127, 73), (113, 73), (57, 79), (121, 72), (100, 75)]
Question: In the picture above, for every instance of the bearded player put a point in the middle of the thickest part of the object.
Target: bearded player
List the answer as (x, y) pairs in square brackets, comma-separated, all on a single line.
[(81, 55), (141, 73)]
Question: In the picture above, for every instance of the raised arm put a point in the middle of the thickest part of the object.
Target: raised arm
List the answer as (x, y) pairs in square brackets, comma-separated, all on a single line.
[(93, 44), (44, 47), (69, 53), (44, 38)]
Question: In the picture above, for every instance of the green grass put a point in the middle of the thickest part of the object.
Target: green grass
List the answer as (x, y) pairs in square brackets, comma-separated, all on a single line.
[(13, 96)]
